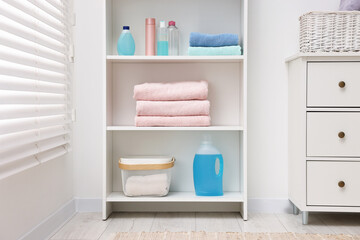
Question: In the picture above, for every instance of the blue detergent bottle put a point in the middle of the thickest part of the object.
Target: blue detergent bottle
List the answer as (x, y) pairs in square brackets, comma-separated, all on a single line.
[(208, 170), (126, 43)]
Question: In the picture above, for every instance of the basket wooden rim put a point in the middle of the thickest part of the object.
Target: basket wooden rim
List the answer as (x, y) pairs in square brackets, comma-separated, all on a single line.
[(160, 166)]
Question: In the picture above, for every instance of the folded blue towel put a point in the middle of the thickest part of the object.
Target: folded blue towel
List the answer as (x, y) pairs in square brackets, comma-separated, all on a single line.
[(214, 51), (213, 40)]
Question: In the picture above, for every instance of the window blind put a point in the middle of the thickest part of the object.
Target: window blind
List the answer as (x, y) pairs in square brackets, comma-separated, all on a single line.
[(35, 83)]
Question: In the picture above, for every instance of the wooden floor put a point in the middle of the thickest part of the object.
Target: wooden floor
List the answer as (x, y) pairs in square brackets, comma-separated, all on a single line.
[(90, 226)]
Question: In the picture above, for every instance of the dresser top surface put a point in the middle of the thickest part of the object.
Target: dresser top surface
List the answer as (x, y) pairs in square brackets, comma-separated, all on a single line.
[(323, 55)]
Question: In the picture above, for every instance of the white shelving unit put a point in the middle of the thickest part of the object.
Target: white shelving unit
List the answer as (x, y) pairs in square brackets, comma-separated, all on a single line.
[(227, 77)]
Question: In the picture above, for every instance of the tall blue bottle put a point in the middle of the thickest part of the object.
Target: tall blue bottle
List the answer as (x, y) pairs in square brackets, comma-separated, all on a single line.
[(126, 43), (208, 171)]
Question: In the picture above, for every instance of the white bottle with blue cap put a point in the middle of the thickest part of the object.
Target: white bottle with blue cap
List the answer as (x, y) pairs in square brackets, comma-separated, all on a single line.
[(126, 43)]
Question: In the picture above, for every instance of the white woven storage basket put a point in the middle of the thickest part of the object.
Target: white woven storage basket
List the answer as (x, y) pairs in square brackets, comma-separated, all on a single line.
[(330, 32)]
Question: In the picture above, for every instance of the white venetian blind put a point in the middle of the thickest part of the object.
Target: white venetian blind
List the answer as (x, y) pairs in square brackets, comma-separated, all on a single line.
[(35, 77)]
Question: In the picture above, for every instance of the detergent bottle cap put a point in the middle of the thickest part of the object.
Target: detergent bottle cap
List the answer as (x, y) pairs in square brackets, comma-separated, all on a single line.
[(206, 146)]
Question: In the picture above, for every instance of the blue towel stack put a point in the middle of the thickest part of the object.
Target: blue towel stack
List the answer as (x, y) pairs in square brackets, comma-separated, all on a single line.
[(214, 44)]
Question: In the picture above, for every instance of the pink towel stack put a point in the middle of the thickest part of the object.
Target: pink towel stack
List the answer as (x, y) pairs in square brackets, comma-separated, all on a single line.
[(179, 104)]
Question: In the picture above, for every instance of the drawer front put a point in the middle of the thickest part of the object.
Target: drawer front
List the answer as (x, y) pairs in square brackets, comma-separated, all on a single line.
[(333, 84), (333, 183), (333, 134)]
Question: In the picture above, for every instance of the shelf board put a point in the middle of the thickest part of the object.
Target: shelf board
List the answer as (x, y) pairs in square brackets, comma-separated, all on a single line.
[(211, 128), (170, 59), (177, 197)]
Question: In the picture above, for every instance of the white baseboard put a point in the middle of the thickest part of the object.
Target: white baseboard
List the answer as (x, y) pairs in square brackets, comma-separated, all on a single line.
[(52, 223), (258, 205), (269, 205), (88, 204)]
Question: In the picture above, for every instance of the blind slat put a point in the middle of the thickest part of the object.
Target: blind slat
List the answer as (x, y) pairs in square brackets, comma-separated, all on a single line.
[(57, 5), (58, 26), (18, 166), (33, 62), (32, 49), (18, 125), (32, 74), (33, 25), (53, 153), (10, 97), (32, 149), (30, 37), (32, 161), (31, 86), (18, 139), (56, 15), (27, 111)]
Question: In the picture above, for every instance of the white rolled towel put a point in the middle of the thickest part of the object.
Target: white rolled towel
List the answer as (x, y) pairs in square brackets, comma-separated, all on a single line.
[(156, 185)]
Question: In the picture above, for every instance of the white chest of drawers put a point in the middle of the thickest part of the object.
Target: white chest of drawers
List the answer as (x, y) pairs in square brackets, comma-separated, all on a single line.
[(324, 133)]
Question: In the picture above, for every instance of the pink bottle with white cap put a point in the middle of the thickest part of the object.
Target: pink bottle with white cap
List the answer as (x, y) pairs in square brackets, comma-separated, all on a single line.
[(150, 37)]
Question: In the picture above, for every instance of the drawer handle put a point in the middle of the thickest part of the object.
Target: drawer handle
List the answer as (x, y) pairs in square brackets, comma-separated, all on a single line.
[(342, 84), (341, 134), (341, 184)]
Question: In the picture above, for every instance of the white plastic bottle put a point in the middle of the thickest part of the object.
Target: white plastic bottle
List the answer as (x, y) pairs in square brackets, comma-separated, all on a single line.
[(173, 33), (126, 43)]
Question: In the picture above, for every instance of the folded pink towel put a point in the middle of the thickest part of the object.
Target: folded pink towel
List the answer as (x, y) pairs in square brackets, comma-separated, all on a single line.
[(173, 108), (184, 121), (196, 90)]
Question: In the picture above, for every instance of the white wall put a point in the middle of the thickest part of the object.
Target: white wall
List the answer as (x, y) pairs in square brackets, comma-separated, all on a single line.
[(89, 55), (29, 197), (273, 35)]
